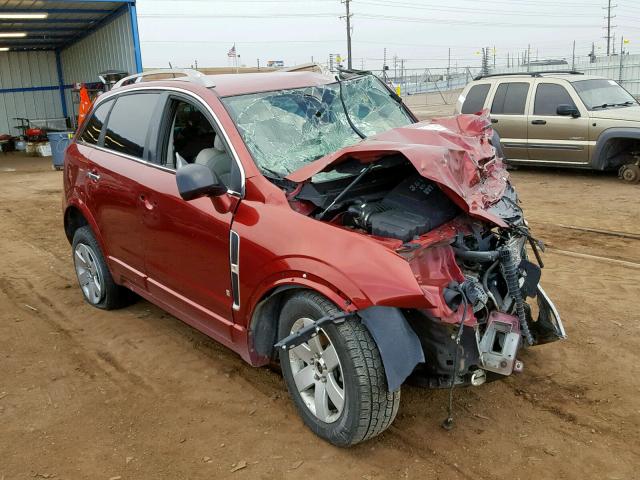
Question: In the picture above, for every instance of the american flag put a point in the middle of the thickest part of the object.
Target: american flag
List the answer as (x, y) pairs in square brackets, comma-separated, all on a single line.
[(232, 51)]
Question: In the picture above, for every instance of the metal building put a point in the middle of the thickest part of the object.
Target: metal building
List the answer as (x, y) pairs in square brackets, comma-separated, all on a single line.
[(47, 47)]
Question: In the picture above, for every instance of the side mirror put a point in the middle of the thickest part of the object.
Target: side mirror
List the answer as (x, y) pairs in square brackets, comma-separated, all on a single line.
[(195, 181), (567, 110)]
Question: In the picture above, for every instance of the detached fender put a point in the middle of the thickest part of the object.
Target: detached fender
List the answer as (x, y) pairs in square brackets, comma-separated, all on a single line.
[(598, 157), (399, 345)]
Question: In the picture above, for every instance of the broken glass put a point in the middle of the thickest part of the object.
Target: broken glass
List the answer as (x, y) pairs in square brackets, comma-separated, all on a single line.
[(286, 129)]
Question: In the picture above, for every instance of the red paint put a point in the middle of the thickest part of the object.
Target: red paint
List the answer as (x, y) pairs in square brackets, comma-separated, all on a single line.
[(176, 253)]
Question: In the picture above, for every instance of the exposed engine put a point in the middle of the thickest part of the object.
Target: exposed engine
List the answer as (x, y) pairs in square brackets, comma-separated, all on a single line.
[(415, 206)]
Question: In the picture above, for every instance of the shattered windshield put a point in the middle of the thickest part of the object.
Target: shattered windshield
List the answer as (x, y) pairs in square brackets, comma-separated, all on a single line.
[(287, 129)]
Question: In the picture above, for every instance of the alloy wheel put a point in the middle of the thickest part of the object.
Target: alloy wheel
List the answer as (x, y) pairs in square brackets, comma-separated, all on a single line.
[(89, 275), (318, 374)]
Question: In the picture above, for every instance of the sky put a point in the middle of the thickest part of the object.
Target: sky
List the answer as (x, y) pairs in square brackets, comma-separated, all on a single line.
[(186, 32)]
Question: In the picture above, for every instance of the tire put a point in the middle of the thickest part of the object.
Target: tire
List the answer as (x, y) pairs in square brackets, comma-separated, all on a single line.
[(95, 280), (368, 407)]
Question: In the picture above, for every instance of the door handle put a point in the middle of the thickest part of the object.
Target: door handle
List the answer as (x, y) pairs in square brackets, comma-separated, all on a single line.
[(538, 122), (494, 120), (93, 176)]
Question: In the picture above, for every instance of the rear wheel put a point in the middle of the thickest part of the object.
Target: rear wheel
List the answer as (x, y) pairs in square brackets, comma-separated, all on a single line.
[(630, 173), (336, 379), (94, 278)]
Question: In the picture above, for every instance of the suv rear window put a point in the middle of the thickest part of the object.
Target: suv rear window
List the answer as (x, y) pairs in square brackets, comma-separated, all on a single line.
[(548, 97), (91, 132), (129, 122), (475, 98), (510, 98)]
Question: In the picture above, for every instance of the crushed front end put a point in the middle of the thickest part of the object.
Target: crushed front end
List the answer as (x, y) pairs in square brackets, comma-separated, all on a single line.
[(438, 196), (487, 304)]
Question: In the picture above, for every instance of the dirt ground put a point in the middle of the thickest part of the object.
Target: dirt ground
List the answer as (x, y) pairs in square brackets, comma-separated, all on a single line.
[(137, 394)]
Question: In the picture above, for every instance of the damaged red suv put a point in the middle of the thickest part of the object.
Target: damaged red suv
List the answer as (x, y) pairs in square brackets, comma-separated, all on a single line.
[(312, 220)]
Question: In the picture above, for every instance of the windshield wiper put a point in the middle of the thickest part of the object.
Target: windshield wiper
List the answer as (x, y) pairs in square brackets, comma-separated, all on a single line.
[(346, 189), (605, 105)]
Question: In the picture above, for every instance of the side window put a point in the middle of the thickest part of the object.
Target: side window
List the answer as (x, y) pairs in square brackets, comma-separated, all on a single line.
[(549, 96), (193, 139), (91, 132), (129, 122), (475, 98), (510, 98)]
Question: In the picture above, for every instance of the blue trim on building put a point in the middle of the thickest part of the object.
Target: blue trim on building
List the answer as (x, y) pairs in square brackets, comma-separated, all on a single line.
[(63, 100), (34, 89), (133, 16)]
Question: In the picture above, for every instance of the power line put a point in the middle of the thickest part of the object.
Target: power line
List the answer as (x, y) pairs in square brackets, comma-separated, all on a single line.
[(382, 3), (467, 23), (239, 15)]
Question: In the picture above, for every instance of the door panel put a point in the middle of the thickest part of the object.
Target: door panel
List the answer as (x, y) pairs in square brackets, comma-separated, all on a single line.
[(187, 253), (508, 117), (187, 242), (554, 138), (113, 188)]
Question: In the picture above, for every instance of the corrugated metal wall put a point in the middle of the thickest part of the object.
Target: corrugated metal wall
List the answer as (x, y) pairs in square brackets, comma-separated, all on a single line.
[(26, 70), (109, 48)]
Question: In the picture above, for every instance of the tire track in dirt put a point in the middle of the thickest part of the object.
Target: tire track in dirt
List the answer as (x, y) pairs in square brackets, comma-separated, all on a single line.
[(21, 292)]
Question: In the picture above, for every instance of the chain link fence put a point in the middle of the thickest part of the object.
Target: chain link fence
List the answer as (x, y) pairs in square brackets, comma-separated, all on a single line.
[(445, 82)]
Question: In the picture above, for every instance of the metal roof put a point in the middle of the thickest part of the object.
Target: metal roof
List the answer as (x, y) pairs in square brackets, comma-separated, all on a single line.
[(67, 21)]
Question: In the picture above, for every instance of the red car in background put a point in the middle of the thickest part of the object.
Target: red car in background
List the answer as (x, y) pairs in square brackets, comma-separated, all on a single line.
[(310, 219)]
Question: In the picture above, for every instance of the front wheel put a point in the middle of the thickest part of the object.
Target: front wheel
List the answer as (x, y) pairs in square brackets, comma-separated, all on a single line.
[(336, 379)]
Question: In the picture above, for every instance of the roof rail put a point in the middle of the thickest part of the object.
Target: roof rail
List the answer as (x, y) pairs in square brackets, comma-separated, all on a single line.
[(532, 74), (186, 75)]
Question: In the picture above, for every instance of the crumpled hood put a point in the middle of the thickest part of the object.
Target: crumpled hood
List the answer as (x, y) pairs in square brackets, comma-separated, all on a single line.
[(453, 152), (631, 114)]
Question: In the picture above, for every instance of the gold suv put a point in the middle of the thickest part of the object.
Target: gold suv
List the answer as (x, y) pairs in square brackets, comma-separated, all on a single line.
[(562, 119)]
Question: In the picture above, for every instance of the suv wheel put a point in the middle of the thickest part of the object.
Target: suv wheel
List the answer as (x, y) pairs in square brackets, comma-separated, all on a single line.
[(336, 379), (94, 278)]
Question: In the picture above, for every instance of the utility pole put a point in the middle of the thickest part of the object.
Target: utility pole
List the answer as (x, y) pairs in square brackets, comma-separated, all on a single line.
[(258, 63), (384, 59), (529, 58), (621, 59), (449, 68), (573, 57), (348, 18), (609, 7)]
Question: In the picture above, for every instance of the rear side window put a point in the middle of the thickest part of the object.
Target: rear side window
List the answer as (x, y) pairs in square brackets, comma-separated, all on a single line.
[(510, 98), (129, 122), (549, 96), (475, 98), (91, 132)]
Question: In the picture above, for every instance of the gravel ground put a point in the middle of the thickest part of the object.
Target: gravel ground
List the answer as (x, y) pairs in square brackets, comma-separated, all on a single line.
[(136, 393)]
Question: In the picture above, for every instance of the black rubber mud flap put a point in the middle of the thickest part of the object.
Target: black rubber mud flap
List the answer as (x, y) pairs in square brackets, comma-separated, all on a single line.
[(399, 345)]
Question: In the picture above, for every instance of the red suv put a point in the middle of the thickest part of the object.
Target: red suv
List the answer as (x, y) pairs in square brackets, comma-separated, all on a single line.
[(312, 220)]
